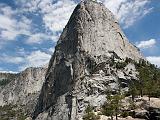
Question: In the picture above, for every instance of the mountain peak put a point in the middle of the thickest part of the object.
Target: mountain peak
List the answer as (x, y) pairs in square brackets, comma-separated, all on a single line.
[(93, 28), (80, 69)]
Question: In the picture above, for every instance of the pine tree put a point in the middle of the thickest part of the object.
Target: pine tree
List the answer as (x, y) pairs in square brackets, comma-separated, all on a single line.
[(113, 105), (90, 115)]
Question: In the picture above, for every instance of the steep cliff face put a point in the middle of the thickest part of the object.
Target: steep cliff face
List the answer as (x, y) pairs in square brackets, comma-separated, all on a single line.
[(23, 88), (83, 65)]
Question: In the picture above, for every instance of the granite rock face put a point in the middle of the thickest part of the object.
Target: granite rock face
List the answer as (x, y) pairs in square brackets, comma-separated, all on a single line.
[(24, 88), (83, 65)]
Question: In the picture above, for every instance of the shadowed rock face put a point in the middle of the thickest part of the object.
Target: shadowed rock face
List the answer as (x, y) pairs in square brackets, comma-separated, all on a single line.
[(79, 71)]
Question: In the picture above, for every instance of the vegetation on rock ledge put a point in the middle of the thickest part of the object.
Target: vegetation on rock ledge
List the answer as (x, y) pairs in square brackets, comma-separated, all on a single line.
[(9, 112)]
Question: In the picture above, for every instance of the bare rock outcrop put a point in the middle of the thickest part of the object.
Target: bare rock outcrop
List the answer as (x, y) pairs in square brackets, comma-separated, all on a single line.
[(83, 65)]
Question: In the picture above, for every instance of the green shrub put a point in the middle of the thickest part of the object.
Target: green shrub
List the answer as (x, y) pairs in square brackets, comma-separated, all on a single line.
[(113, 105), (90, 115), (10, 112), (129, 60), (121, 65), (149, 76), (4, 82), (124, 114)]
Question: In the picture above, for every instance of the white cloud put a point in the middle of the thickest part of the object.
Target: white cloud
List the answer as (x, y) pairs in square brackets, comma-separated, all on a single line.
[(20, 51), (35, 59), (10, 26), (12, 72), (146, 44), (55, 15), (7, 26), (154, 60), (51, 50), (11, 59), (128, 11), (38, 38)]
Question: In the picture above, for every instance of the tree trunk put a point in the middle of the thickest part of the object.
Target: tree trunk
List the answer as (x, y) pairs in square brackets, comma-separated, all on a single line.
[(141, 92), (149, 97), (116, 116), (133, 96), (111, 117)]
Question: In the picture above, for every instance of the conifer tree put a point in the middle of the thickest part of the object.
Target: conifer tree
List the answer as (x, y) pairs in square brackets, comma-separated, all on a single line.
[(113, 105)]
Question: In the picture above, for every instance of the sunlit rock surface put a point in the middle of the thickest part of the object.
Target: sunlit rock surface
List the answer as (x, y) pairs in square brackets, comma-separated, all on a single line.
[(83, 67)]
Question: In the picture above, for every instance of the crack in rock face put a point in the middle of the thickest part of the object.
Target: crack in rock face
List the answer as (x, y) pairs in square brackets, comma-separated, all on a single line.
[(80, 69)]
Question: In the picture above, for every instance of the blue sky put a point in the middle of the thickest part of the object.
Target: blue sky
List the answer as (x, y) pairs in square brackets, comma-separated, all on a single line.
[(29, 29)]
